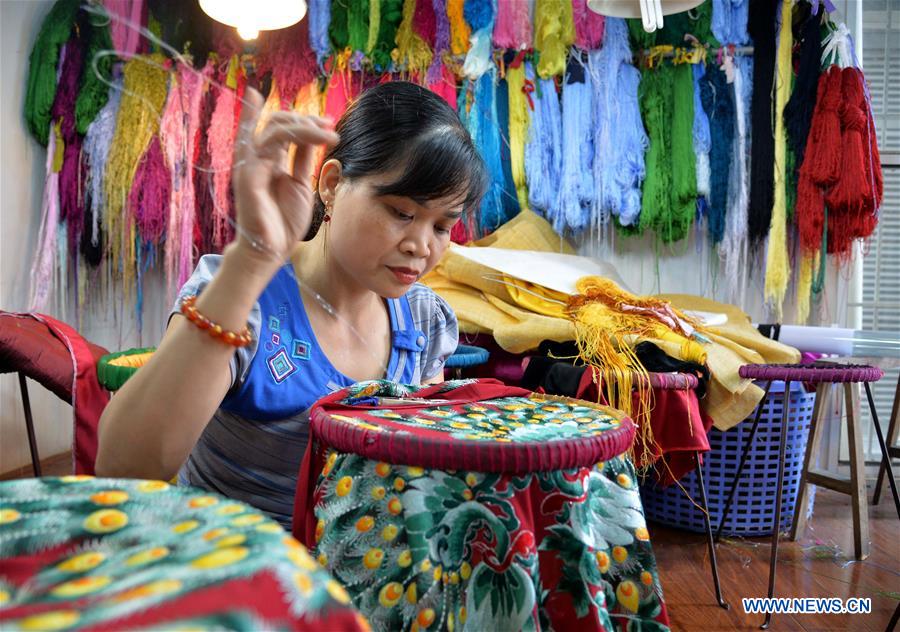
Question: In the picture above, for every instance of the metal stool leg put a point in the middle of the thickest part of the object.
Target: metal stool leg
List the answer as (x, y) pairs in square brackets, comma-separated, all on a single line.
[(29, 426), (885, 455), (895, 619), (744, 453), (709, 535), (892, 434), (776, 525)]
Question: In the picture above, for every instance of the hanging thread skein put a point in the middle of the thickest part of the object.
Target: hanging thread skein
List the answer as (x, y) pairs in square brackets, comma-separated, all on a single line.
[(319, 20), (576, 192), (482, 124), (63, 112), (390, 14), (220, 145), (761, 27), (799, 109), (96, 73), (702, 140), (144, 94), (459, 29), (45, 258), (620, 141), (441, 42), (778, 270), (554, 34), (853, 202), (718, 101), (512, 29), (543, 151), (480, 14), (519, 118), (729, 25), (40, 89), (95, 150), (412, 52), (588, 26)]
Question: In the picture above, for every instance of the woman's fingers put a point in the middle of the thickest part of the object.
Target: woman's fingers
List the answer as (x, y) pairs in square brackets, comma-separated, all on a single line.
[(278, 134), (250, 109)]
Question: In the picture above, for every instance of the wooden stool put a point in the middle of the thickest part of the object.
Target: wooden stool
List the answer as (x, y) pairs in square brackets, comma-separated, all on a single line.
[(824, 374), (854, 485)]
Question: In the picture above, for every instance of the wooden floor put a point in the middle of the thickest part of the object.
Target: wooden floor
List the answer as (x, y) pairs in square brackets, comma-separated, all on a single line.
[(816, 566)]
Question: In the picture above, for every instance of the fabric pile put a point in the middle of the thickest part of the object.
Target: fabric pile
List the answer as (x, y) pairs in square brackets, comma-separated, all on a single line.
[(521, 315)]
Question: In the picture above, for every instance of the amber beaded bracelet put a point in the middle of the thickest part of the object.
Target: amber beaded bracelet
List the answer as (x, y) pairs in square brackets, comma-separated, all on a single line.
[(233, 338)]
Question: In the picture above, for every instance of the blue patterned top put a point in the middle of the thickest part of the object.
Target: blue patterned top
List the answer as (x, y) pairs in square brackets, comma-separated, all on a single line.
[(252, 447)]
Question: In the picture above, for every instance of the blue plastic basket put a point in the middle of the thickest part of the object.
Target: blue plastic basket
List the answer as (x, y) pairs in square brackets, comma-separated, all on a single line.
[(753, 508)]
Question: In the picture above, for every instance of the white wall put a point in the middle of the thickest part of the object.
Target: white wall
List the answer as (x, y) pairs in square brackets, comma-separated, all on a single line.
[(21, 186)]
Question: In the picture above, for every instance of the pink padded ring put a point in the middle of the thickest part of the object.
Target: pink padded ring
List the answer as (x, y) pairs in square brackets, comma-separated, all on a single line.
[(820, 372)]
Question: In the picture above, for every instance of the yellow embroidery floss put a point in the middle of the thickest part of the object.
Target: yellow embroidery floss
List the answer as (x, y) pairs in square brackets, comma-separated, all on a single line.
[(374, 24), (804, 287), (143, 96), (412, 51), (778, 270), (605, 333), (554, 34), (519, 119)]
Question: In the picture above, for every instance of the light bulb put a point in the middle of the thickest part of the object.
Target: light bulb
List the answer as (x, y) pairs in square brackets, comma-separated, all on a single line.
[(252, 17), (248, 32)]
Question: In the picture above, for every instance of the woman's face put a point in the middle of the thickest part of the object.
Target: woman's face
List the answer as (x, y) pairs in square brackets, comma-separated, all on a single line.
[(386, 242)]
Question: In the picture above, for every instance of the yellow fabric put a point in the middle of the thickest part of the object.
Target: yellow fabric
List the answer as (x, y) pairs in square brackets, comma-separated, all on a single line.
[(739, 328), (536, 298), (483, 303), (516, 329), (778, 269), (731, 398)]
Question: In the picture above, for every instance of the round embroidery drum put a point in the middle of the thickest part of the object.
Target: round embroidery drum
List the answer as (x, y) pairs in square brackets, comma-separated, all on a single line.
[(81, 552), (471, 505), (480, 425)]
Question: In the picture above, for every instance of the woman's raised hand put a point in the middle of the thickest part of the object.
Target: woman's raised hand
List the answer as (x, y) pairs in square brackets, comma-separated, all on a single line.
[(274, 206)]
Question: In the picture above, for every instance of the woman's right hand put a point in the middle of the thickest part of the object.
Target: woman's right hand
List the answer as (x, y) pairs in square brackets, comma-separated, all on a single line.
[(274, 207)]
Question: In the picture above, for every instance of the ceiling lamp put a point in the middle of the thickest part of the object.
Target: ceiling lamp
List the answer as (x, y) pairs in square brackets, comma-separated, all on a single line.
[(250, 17), (651, 12)]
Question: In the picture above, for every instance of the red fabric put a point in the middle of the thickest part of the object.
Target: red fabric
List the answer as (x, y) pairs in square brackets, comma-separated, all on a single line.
[(54, 354), (678, 424)]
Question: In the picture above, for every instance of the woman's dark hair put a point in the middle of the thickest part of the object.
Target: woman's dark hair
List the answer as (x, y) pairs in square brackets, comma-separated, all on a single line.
[(401, 124)]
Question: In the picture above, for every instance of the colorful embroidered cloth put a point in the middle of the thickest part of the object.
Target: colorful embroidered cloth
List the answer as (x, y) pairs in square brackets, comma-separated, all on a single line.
[(113, 554), (561, 544)]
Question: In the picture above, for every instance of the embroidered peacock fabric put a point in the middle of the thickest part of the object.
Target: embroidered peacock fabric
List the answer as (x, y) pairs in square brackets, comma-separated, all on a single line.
[(471, 505), (83, 553)]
